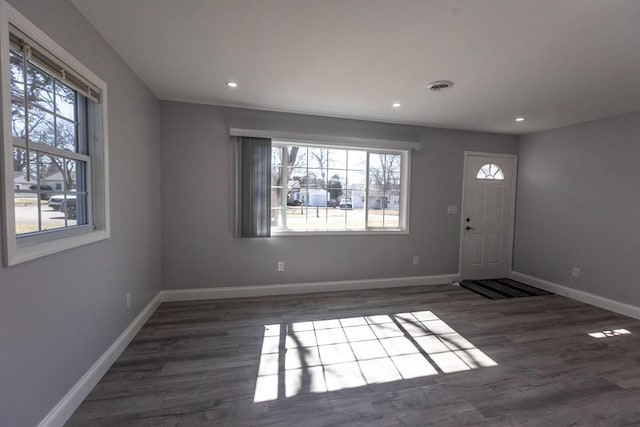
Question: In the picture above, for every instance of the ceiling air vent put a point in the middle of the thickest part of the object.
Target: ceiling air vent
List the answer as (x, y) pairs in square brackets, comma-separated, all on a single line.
[(440, 85)]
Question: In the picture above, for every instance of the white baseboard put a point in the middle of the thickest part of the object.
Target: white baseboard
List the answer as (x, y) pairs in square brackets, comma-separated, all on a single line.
[(61, 413), (586, 297), (304, 288)]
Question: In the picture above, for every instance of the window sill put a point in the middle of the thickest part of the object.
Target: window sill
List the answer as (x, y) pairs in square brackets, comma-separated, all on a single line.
[(33, 251)]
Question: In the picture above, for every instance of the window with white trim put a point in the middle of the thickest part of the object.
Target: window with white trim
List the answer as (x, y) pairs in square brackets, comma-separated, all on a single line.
[(54, 145), (327, 188)]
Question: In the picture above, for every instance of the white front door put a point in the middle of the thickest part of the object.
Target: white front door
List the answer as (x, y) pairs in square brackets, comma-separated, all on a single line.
[(487, 217)]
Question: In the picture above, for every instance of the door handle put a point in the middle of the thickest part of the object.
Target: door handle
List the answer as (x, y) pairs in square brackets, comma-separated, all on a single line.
[(469, 228)]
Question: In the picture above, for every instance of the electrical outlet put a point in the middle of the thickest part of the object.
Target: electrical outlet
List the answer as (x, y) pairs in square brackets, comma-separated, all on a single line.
[(128, 299), (416, 260), (575, 272), (280, 265)]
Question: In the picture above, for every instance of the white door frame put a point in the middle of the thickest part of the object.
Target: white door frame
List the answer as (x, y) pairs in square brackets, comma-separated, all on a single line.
[(514, 158)]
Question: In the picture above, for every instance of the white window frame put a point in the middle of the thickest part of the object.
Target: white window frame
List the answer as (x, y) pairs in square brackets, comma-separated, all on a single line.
[(374, 148), (18, 249)]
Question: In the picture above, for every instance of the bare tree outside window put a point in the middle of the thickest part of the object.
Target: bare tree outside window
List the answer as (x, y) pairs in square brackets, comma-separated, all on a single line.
[(330, 188), (334, 188), (51, 120), (384, 189), (44, 125)]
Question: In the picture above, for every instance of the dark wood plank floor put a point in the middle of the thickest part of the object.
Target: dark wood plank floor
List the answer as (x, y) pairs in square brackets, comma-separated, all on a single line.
[(527, 361)]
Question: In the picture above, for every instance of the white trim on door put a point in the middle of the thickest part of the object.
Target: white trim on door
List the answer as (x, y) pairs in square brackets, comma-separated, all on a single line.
[(514, 158)]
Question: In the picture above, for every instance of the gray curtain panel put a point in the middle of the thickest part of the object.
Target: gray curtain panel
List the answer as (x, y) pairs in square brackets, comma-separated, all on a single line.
[(254, 186)]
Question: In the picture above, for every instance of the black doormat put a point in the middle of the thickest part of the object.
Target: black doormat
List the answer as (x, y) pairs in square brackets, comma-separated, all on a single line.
[(502, 288)]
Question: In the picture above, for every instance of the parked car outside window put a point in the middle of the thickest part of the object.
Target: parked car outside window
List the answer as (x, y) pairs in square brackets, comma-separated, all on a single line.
[(346, 204), (56, 201)]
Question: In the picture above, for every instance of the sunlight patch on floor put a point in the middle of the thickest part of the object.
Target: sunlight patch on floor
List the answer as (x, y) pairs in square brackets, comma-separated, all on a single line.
[(329, 355), (609, 333)]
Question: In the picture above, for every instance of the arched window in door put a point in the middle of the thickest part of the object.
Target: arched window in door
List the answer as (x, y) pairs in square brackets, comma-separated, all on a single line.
[(490, 171)]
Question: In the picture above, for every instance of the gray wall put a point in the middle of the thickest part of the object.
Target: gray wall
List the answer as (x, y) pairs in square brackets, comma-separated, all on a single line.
[(58, 314), (199, 249), (577, 206)]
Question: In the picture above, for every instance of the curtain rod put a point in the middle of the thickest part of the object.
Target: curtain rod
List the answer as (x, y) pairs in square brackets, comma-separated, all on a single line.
[(340, 140)]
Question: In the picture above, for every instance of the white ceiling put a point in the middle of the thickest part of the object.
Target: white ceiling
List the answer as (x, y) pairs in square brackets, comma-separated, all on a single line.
[(554, 62)]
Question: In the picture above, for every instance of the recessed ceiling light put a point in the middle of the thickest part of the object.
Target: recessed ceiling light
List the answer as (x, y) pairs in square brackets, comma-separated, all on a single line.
[(232, 85), (396, 105), (440, 85), (519, 119)]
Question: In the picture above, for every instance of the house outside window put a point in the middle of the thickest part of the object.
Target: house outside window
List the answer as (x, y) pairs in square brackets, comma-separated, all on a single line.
[(327, 188)]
